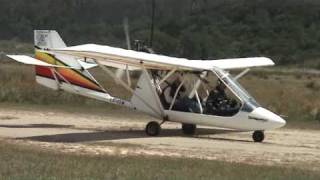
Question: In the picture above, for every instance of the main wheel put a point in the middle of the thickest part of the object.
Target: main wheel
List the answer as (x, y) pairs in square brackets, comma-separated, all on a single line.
[(258, 136), (189, 129), (153, 128)]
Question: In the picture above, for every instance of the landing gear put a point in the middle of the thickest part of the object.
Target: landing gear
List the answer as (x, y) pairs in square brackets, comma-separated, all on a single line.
[(153, 128), (258, 136), (189, 129)]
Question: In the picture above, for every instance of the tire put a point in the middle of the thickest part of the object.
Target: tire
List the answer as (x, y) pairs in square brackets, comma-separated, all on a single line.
[(153, 128), (258, 136), (189, 129)]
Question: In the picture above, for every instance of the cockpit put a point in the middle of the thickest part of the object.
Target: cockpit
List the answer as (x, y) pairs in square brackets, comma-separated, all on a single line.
[(213, 92)]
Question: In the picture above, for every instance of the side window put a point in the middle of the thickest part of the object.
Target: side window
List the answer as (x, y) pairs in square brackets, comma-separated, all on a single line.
[(189, 93)]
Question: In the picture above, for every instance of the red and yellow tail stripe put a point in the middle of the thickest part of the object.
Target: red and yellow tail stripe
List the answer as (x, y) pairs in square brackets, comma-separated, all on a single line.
[(73, 76)]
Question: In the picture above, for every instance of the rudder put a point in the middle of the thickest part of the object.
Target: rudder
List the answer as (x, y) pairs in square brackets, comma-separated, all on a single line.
[(46, 39)]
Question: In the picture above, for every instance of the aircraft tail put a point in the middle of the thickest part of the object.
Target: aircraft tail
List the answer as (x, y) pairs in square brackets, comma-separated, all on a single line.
[(47, 39), (75, 79)]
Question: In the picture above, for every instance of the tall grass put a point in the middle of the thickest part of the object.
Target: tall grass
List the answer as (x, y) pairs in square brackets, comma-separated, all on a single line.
[(14, 47), (20, 162), (287, 94), (17, 84)]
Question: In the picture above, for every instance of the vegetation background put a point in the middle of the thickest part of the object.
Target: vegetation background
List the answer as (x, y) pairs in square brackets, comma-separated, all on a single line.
[(285, 30)]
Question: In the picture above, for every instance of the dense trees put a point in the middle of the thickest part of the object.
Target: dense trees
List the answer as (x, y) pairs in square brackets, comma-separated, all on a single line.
[(286, 30)]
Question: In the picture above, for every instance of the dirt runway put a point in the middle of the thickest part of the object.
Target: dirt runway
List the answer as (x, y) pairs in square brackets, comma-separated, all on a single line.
[(120, 132)]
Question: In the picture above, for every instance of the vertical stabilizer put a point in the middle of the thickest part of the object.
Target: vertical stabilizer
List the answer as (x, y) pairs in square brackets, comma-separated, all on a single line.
[(46, 39)]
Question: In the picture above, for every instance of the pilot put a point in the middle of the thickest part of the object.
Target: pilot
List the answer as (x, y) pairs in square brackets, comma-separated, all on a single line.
[(218, 94), (217, 99)]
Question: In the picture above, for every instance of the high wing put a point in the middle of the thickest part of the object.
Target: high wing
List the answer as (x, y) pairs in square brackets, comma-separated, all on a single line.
[(132, 60), (32, 61)]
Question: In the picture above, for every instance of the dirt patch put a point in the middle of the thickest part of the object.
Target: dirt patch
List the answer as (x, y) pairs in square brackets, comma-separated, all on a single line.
[(8, 117), (111, 134)]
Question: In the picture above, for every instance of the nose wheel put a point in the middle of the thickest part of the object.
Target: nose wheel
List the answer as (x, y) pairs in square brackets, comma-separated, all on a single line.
[(258, 136), (153, 128)]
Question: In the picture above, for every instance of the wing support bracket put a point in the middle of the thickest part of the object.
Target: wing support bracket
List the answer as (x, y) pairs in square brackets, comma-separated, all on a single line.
[(53, 69), (240, 75)]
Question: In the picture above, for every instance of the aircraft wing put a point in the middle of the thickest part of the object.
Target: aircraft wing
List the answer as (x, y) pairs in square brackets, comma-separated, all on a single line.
[(122, 58), (32, 61)]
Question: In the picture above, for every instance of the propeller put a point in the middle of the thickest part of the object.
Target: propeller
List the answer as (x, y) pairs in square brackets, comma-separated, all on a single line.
[(120, 73), (126, 32)]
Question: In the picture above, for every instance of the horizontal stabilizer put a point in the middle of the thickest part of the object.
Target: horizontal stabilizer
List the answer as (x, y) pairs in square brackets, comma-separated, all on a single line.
[(32, 61), (87, 65)]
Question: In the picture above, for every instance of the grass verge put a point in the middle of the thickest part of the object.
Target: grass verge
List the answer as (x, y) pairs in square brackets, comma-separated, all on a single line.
[(21, 162)]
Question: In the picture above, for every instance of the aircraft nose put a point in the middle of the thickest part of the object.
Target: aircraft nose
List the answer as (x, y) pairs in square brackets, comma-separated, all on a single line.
[(270, 118)]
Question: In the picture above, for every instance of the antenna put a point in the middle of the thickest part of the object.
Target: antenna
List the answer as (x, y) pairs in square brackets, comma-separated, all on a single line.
[(152, 22)]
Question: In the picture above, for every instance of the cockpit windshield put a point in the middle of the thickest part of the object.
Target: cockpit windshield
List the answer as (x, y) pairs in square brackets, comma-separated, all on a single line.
[(213, 92), (234, 85)]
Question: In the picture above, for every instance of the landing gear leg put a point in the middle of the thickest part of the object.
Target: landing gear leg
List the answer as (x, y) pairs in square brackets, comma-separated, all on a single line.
[(189, 129), (153, 128), (258, 136)]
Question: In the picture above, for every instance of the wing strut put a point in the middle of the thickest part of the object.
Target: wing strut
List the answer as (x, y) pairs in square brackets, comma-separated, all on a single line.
[(199, 102), (197, 84), (176, 93), (244, 72), (126, 86), (128, 75), (167, 76)]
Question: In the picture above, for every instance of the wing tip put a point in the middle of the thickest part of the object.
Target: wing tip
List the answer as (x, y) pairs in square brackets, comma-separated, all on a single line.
[(269, 61)]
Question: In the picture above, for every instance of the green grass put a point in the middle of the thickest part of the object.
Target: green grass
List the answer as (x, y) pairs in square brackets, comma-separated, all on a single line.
[(21, 162)]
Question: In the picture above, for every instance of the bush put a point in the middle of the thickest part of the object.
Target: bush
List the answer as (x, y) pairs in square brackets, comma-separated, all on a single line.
[(313, 86)]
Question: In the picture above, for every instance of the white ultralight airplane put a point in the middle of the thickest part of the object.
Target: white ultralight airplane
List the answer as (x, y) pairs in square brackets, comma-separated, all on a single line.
[(169, 88)]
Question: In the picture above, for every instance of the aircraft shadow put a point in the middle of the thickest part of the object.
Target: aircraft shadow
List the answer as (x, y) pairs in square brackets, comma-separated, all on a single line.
[(123, 134), (37, 126), (224, 139), (104, 135)]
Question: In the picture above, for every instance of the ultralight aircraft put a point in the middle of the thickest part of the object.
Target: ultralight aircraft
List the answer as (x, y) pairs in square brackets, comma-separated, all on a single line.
[(190, 92)]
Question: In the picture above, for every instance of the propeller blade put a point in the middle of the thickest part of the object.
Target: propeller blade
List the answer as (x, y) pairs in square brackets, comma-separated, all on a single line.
[(120, 73), (126, 32)]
